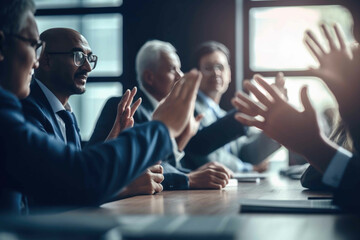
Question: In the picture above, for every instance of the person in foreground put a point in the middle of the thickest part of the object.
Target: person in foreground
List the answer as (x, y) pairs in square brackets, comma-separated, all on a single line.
[(158, 69), (299, 130), (39, 165), (63, 70)]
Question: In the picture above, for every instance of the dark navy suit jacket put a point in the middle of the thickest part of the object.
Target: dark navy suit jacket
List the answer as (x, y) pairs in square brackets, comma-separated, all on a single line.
[(173, 178), (38, 111), (36, 164)]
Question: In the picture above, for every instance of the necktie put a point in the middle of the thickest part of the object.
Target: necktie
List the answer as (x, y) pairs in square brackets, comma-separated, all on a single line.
[(72, 134)]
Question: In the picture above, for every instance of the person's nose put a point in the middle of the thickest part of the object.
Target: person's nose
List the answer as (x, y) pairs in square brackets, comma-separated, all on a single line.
[(36, 64), (87, 65)]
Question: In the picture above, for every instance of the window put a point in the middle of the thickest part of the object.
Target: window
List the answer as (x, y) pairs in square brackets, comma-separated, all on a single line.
[(276, 35), (104, 34), (272, 41), (41, 4), (100, 21)]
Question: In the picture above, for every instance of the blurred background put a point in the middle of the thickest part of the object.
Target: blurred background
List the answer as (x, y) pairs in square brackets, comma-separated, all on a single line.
[(263, 37)]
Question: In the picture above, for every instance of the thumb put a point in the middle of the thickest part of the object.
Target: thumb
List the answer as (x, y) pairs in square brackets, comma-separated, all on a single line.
[(199, 117), (306, 101)]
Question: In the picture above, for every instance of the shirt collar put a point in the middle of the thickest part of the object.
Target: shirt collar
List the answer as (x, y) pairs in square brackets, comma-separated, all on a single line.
[(155, 103), (54, 102), (208, 101)]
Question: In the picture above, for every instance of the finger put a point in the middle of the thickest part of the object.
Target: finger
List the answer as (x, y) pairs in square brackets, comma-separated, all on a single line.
[(314, 40), (212, 185), (249, 121), (312, 50), (123, 101), (244, 104), (340, 37), (131, 97), (158, 187), (273, 93), (328, 37), (221, 169), (199, 117), (125, 116), (129, 123), (306, 101), (135, 106), (279, 80), (156, 168), (157, 177), (264, 100), (222, 181), (218, 176), (191, 85), (177, 88)]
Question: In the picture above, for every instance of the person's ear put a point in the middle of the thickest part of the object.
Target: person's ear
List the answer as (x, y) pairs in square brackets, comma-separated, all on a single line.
[(2, 45), (148, 77)]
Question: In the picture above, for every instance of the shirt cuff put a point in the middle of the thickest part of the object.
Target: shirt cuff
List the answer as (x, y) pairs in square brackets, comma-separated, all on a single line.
[(177, 154), (335, 171)]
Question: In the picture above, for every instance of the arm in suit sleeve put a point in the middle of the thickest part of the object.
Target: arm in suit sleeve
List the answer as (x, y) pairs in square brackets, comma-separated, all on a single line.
[(105, 121), (173, 178), (36, 164), (216, 135)]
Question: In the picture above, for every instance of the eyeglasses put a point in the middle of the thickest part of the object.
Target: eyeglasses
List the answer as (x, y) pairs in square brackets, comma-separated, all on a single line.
[(208, 69), (80, 57), (38, 45)]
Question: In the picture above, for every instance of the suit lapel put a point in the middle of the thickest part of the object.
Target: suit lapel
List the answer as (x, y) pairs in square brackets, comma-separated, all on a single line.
[(39, 97), (145, 111)]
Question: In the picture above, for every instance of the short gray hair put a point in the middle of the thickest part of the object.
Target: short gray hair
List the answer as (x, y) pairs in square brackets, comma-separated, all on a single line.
[(149, 55), (12, 14)]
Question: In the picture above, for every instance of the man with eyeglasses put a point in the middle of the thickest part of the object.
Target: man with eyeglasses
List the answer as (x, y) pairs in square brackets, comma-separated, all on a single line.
[(222, 139), (64, 67)]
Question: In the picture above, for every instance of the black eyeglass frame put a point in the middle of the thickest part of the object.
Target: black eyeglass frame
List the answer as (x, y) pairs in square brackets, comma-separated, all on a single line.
[(85, 57), (36, 44)]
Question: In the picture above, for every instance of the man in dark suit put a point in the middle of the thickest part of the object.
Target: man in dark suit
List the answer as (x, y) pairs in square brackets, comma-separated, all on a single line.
[(56, 80), (158, 68), (239, 149), (35, 164)]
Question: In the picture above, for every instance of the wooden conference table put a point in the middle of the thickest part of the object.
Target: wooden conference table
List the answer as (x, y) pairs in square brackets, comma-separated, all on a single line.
[(253, 225)]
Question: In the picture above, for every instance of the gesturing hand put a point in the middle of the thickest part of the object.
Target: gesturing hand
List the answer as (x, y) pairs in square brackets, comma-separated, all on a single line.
[(294, 129), (177, 108), (125, 112), (340, 70)]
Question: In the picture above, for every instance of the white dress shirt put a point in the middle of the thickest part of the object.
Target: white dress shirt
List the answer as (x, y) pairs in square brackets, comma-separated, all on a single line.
[(56, 106)]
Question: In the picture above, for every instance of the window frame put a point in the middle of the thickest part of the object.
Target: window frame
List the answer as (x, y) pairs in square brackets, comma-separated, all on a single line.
[(243, 39)]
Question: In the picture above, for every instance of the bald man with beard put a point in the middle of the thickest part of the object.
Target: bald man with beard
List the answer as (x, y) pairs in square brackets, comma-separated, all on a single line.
[(63, 71)]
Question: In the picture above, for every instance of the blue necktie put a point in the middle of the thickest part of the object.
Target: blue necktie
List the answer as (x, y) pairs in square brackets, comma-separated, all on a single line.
[(72, 134)]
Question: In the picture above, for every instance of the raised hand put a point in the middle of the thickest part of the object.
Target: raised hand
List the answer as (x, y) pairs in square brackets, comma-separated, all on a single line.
[(125, 112), (147, 184), (282, 122), (178, 107), (340, 70), (280, 84)]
